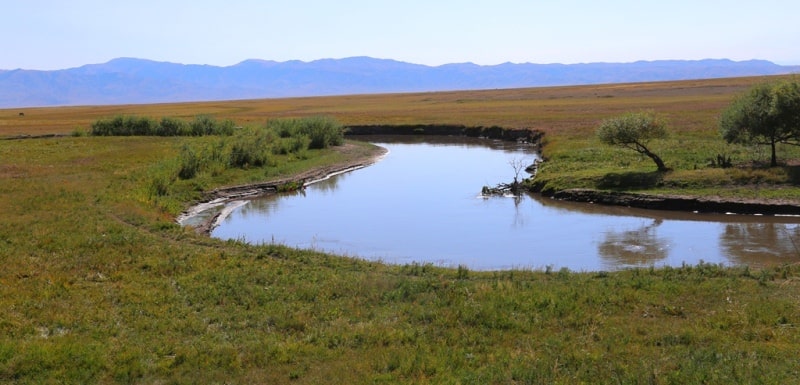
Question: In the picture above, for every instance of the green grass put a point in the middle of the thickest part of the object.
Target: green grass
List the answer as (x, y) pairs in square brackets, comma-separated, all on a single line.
[(99, 285), (586, 163)]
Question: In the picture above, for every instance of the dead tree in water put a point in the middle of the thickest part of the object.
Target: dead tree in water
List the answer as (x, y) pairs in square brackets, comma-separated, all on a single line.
[(514, 188)]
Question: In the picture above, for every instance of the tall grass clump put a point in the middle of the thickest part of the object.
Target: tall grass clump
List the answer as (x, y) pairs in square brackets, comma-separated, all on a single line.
[(172, 127), (124, 125), (207, 125), (322, 131), (251, 149), (131, 125), (190, 162)]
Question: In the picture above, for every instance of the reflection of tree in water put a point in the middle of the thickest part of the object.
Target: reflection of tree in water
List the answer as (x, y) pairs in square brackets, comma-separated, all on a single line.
[(519, 216), (759, 244), (640, 247)]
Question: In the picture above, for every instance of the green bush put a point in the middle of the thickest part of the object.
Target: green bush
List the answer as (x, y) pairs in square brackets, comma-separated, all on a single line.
[(285, 128), (321, 131), (129, 125), (139, 126), (108, 127), (122, 125), (172, 127), (286, 146), (251, 149)]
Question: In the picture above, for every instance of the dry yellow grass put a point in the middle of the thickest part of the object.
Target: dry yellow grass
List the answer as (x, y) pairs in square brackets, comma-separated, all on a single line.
[(690, 105)]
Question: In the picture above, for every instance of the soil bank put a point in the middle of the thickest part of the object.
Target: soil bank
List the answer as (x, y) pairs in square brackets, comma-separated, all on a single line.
[(222, 195), (679, 203)]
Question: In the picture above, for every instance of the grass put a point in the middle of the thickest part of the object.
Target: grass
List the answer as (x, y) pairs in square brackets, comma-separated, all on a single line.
[(99, 285)]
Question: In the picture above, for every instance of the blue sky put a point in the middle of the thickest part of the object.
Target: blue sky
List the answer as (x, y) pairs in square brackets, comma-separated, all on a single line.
[(43, 34)]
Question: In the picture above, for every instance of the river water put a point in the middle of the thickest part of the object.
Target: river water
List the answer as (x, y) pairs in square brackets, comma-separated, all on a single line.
[(421, 204)]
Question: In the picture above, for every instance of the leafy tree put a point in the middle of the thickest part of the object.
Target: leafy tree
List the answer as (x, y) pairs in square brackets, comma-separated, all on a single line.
[(634, 131), (767, 114)]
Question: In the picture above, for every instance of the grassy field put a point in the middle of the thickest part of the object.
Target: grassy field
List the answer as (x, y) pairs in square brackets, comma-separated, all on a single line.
[(99, 285)]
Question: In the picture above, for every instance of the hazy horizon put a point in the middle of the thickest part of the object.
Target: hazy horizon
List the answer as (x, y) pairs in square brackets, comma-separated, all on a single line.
[(376, 58), (47, 35)]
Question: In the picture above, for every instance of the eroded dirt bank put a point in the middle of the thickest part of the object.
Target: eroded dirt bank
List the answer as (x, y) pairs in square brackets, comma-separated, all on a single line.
[(220, 196), (679, 203)]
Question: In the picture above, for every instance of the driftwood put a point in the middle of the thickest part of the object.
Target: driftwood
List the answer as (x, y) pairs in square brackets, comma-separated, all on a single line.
[(513, 188)]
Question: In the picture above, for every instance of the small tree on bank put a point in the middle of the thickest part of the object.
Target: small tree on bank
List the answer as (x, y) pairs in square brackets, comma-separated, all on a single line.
[(767, 114), (634, 131)]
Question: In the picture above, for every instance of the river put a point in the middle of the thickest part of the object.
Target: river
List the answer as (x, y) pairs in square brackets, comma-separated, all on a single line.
[(421, 203)]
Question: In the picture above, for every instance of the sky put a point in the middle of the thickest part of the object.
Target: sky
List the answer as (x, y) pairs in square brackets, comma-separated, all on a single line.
[(57, 34)]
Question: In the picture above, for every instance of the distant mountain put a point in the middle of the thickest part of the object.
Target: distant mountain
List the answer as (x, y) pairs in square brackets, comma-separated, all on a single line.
[(133, 81)]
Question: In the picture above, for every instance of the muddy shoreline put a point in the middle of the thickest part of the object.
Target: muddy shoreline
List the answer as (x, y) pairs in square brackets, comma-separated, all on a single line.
[(678, 203), (220, 197)]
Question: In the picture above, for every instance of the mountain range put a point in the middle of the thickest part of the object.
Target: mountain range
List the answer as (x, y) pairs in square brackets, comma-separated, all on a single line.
[(136, 81)]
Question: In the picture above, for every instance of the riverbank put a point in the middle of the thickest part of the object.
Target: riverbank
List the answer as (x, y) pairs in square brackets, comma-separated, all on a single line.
[(581, 169), (214, 199), (679, 203)]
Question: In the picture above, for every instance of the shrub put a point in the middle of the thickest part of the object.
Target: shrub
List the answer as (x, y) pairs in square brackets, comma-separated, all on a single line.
[(207, 125), (286, 146), (107, 127), (285, 128), (322, 131), (251, 149), (202, 125), (172, 127), (121, 125), (139, 126)]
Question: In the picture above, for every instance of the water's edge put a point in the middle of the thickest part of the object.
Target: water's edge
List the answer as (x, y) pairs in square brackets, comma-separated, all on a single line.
[(218, 200), (678, 203)]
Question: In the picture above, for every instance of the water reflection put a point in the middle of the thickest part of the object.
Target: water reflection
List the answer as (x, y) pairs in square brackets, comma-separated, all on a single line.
[(766, 243), (421, 203), (263, 205), (638, 247), (330, 185)]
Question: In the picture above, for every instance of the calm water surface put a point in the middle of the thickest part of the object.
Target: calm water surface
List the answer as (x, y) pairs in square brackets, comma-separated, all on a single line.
[(421, 203)]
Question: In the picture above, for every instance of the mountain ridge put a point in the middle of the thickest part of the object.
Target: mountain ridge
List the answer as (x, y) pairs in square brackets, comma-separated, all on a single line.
[(128, 80)]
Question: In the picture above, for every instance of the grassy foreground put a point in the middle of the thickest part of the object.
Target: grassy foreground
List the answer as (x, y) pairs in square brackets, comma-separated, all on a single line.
[(100, 286)]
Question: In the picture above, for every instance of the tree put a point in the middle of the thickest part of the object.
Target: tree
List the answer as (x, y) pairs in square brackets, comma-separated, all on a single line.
[(634, 131), (767, 114)]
